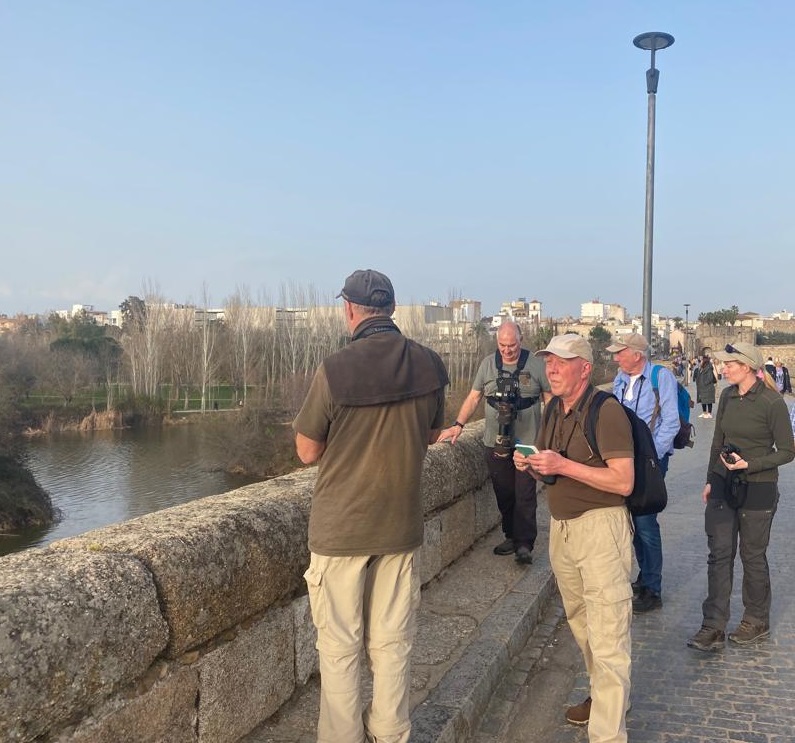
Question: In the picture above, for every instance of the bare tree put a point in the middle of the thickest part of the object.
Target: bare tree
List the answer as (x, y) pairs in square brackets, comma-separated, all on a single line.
[(143, 343)]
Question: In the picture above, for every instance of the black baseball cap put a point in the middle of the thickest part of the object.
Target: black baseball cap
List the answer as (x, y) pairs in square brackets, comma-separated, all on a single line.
[(369, 288)]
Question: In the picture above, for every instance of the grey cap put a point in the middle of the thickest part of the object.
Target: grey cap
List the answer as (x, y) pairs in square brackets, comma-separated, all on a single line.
[(369, 288), (635, 341)]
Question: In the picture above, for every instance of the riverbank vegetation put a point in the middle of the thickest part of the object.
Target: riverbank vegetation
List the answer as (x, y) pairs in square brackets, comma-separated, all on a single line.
[(23, 503)]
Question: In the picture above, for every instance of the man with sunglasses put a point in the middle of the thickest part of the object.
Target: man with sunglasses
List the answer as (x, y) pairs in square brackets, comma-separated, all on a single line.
[(590, 540), (656, 405)]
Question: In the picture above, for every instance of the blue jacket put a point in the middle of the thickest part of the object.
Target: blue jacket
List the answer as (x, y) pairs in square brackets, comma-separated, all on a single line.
[(666, 425)]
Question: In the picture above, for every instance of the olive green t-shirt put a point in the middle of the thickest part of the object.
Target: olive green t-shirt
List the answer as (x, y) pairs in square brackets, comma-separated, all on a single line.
[(367, 498), (569, 498)]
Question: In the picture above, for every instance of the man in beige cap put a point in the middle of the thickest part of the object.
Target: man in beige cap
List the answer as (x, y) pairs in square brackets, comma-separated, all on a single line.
[(590, 534), (651, 392)]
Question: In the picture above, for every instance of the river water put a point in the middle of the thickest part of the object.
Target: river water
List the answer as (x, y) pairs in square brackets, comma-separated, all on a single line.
[(104, 477)]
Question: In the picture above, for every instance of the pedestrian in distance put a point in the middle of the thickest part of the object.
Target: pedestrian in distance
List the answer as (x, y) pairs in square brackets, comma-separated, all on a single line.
[(781, 378), (659, 409), (706, 381), (753, 438), (371, 412), (590, 532), (513, 382)]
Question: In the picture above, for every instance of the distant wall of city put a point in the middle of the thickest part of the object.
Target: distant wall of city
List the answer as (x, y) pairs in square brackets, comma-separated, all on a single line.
[(192, 624), (713, 338)]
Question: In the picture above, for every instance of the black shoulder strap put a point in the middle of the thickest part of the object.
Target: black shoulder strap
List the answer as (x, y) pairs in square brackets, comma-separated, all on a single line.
[(524, 354), (599, 397)]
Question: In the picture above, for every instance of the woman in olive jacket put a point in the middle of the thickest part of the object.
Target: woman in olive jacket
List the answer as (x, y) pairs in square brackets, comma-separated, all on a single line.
[(705, 387), (753, 438)]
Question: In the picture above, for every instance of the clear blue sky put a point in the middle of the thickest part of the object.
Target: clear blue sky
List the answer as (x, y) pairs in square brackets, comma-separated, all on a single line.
[(490, 149)]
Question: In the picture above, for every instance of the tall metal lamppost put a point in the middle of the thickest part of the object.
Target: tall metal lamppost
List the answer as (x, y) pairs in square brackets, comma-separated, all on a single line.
[(650, 41), (687, 346)]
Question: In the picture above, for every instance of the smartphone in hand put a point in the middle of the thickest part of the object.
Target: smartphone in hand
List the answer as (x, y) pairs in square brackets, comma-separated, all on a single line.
[(526, 449)]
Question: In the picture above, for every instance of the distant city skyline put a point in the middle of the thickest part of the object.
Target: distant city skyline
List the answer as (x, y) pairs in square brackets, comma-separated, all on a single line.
[(331, 300)]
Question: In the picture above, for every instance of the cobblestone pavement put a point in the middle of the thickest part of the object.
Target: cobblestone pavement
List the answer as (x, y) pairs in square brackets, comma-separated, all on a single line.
[(678, 694)]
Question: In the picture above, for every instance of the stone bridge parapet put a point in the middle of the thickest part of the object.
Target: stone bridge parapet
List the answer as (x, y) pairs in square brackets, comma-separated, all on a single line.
[(191, 624)]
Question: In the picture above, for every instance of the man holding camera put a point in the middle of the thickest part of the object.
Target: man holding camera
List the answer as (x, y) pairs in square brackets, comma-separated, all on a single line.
[(659, 409), (513, 381), (369, 416)]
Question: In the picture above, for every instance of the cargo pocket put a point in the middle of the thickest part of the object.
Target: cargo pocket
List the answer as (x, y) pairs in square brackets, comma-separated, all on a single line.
[(612, 612), (317, 598)]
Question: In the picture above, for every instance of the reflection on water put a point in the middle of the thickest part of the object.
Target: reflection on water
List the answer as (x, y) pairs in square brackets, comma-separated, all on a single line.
[(103, 477)]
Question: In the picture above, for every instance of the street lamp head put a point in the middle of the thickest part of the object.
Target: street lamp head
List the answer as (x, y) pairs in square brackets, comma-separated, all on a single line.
[(653, 40)]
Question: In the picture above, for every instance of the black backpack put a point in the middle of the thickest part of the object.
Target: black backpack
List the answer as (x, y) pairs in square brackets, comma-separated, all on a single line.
[(649, 494)]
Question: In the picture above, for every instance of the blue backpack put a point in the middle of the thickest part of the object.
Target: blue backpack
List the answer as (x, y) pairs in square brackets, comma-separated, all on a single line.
[(686, 431)]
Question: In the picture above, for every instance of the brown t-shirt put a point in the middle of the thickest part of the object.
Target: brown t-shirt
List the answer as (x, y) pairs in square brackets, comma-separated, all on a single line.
[(569, 498), (367, 497)]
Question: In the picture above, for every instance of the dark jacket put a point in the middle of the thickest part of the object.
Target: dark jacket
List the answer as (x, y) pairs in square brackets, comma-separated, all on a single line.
[(758, 424), (705, 384)]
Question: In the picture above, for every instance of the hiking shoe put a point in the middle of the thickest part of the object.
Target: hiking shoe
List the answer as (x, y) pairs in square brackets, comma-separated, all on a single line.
[(707, 639), (636, 587), (505, 548), (524, 555), (747, 632), (646, 600), (580, 713)]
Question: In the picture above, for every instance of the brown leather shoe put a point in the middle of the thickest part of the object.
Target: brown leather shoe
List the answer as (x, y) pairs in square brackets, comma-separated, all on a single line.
[(580, 713)]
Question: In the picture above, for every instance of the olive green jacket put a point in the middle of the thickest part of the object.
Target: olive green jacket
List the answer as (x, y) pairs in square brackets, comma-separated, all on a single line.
[(758, 424)]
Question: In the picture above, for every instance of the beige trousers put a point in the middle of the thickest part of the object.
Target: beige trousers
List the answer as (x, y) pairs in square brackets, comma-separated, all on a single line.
[(364, 603), (591, 557)]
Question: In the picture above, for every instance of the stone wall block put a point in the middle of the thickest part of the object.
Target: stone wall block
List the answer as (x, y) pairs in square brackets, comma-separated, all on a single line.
[(451, 471), (166, 712), (431, 552), (74, 627), (246, 681), (306, 659), (487, 515), (218, 560), (458, 529)]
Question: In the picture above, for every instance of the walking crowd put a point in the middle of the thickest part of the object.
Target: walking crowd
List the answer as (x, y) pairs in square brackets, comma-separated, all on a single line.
[(374, 407)]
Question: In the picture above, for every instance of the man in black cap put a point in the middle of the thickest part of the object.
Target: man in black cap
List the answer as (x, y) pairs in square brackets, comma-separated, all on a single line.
[(370, 413)]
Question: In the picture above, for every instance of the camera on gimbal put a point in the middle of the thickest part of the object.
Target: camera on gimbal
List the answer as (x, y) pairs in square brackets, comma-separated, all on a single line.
[(506, 402)]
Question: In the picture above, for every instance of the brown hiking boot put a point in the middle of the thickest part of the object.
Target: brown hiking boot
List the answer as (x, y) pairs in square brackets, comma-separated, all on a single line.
[(707, 639), (748, 632), (580, 713)]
